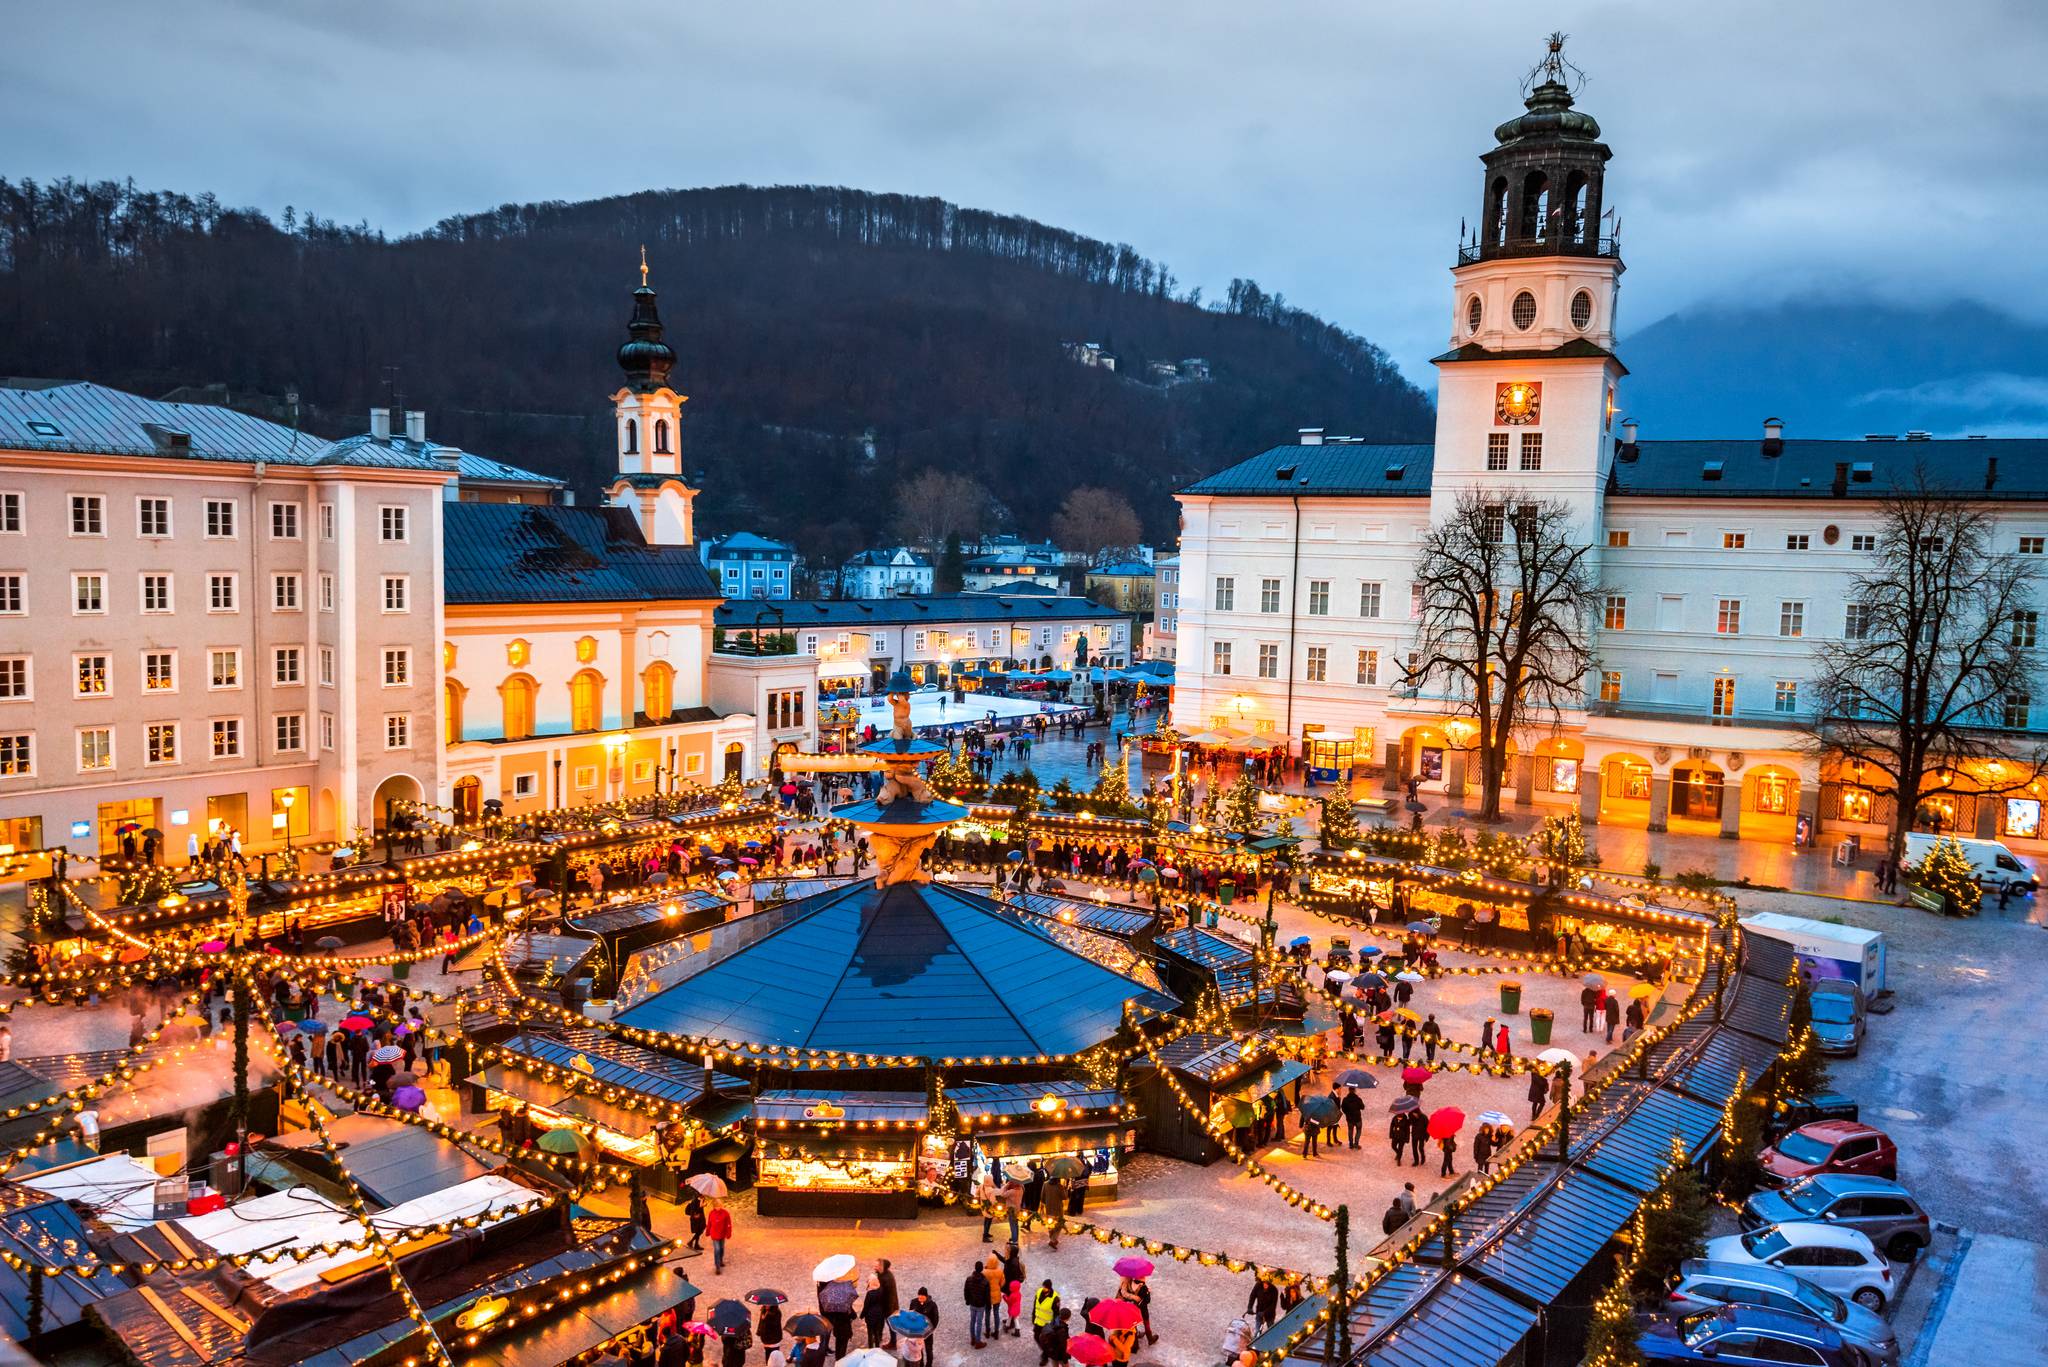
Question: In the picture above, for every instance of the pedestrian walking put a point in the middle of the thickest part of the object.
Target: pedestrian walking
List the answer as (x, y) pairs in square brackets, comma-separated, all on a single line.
[(1418, 1136), (1432, 1034), (1613, 1012), (1397, 1134), (1538, 1094), (718, 1227), (1264, 1302), (1449, 1144), (1354, 1115), (1589, 999), (1486, 1036), (1138, 1293), (693, 1210), (1053, 1201), (1482, 1149)]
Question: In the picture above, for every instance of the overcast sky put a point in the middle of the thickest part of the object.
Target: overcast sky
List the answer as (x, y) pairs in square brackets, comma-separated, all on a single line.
[(1326, 149)]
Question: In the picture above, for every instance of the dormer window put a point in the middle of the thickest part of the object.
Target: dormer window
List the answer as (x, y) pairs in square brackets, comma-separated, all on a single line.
[(1860, 472), (1711, 470)]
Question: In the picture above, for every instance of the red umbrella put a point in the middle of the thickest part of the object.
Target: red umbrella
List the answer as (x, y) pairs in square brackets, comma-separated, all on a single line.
[(1090, 1350), (1446, 1122), (1407, 1074), (358, 1021), (1114, 1315)]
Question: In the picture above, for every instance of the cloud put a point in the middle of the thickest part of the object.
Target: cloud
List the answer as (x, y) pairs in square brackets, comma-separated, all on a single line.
[(1327, 150)]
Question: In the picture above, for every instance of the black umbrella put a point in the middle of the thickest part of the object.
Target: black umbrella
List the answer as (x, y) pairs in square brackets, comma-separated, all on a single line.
[(328, 942), (765, 1296), (727, 1316), (1356, 1077), (805, 1326)]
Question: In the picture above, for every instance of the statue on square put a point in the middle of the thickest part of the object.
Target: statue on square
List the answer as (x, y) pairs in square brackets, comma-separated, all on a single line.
[(1079, 692)]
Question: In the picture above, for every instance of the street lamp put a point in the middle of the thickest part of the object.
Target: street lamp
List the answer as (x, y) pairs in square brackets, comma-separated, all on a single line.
[(284, 818)]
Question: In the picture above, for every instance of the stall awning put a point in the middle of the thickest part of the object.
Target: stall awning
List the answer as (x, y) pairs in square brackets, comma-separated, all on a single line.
[(615, 1063), (1007, 1142), (849, 1109), (586, 1326), (1268, 1080), (994, 1100)]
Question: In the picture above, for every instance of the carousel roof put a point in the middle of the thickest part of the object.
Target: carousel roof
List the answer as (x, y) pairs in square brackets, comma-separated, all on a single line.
[(916, 969)]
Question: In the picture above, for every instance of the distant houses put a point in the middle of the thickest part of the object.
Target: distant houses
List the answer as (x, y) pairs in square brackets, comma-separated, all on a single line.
[(886, 572), (748, 566)]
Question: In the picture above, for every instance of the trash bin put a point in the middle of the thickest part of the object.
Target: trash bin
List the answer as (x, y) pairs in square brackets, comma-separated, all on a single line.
[(1226, 892), (1511, 998), (402, 969), (1540, 1018)]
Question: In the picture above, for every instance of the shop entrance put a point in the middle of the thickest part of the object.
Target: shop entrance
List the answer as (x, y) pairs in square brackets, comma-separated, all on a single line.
[(469, 800), (138, 813)]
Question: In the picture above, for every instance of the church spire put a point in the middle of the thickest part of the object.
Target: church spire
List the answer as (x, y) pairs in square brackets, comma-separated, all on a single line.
[(645, 358)]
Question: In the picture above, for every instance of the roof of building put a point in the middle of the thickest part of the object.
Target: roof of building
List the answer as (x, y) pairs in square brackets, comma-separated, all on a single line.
[(746, 541), (914, 610), (1027, 588), (1349, 468), (1128, 568), (535, 553), (913, 969), (998, 559), (887, 556), (403, 453), (1577, 349)]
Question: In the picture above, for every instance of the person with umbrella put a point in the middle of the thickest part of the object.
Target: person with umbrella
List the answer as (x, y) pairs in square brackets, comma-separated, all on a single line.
[(1418, 1135), (693, 1210), (1132, 1286), (924, 1306), (1354, 1115), (768, 1328), (1053, 1199), (718, 1226), (885, 1277), (1589, 1001), (1539, 1092), (1397, 1132), (1482, 1149)]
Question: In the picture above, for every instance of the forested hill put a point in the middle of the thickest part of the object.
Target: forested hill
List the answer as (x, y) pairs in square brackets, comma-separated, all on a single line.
[(834, 342)]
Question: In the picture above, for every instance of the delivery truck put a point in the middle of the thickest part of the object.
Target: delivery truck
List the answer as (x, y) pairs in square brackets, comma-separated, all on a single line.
[(1825, 949)]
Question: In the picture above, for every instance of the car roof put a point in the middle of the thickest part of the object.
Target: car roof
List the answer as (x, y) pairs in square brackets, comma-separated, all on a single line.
[(1784, 1322), (1813, 1233), (1842, 1183), (1722, 1270), (1840, 1129)]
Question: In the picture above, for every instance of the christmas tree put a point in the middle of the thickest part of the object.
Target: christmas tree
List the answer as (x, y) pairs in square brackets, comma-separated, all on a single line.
[(1340, 818), (951, 775), (1947, 870), (1563, 842), (1674, 1223), (1241, 812), (1112, 791)]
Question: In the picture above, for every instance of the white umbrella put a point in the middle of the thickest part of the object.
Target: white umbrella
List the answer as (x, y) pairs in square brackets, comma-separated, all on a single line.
[(834, 1268), (1409, 977), (707, 1184), (870, 1357), (1495, 1118), (1336, 975), (1017, 1170), (1557, 1056)]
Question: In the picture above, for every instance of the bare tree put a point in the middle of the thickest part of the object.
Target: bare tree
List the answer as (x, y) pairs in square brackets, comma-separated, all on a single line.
[(1508, 597), (935, 504), (1098, 521), (1933, 677)]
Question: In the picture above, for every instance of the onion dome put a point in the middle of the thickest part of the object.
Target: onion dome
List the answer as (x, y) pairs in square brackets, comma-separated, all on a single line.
[(645, 358), (1550, 118)]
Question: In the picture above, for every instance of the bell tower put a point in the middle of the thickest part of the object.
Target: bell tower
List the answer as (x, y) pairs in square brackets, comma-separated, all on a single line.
[(1526, 395), (647, 418)]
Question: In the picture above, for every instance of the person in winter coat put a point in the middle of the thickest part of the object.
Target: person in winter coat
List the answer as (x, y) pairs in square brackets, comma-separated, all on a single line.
[(1431, 1034), (1539, 1092), (885, 1277), (1013, 1306), (998, 1281), (1052, 1349), (1449, 1144), (1397, 1134), (925, 1305), (1613, 1013), (1053, 1200), (1384, 1037), (837, 1302), (718, 1227), (1393, 1219), (694, 1209), (1354, 1115), (1636, 1017), (974, 1291), (1138, 1293), (1589, 1001), (874, 1311), (768, 1332), (1045, 1310), (1418, 1135), (1263, 1305), (1482, 1149)]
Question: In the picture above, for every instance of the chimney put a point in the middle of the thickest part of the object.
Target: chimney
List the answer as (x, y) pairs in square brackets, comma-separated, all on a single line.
[(1841, 485), (416, 425), (1774, 436), (380, 424), (1628, 449), (1991, 472), (1917, 435), (1311, 436)]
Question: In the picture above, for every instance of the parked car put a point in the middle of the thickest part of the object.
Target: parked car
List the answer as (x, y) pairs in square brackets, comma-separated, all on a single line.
[(1837, 1009), (1795, 1111), (1702, 1285), (1882, 1211), (1829, 1146), (1837, 1260), (1745, 1334)]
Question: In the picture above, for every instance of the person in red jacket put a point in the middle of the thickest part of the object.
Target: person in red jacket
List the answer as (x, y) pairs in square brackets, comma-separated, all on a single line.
[(718, 1228)]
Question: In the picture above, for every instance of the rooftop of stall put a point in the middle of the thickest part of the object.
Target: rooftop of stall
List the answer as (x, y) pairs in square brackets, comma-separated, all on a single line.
[(394, 1162), (1124, 921), (1210, 1068), (622, 927), (1192, 959), (31, 1224), (1025, 1120), (823, 1128), (534, 953)]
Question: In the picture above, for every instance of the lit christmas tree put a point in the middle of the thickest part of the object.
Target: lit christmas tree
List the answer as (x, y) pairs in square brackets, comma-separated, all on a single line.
[(1112, 792), (952, 775), (1947, 870), (1241, 808), (1340, 818)]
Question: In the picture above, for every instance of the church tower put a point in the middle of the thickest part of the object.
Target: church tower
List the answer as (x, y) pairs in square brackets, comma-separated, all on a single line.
[(1526, 396), (647, 416)]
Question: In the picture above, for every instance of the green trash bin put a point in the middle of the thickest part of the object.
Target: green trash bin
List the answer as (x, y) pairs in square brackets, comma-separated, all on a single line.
[(1540, 1018), (402, 969), (1226, 892), (1511, 998)]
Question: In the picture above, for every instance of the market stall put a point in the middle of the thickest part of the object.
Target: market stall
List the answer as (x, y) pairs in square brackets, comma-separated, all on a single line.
[(1015, 1124), (849, 1155), (1224, 1082), (623, 928)]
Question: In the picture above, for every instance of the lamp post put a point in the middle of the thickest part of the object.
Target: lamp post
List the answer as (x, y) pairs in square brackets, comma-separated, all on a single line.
[(290, 797)]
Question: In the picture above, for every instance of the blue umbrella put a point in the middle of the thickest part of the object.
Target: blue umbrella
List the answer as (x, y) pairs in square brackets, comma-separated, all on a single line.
[(313, 1027), (1421, 928), (1015, 856), (1298, 940), (910, 1322), (1368, 951)]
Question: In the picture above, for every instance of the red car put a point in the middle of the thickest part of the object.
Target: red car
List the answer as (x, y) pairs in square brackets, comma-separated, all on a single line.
[(1830, 1146)]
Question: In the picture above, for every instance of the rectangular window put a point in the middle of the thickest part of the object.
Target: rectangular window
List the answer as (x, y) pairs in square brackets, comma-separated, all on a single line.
[(525, 785), (1734, 541), (1617, 538), (1856, 621), (289, 731), (88, 515), (284, 522), (397, 593), (1728, 617), (327, 666), (1610, 685), (1318, 670), (13, 676), (220, 519), (1493, 523), (2018, 707), (1797, 541), (1532, 450), (2025, 626), (1414, 600), (1785, 696), (90, 677), (160, 743), (327, 522), (1226, 593), (1269, 595), (392, 524), (326, 730), (11, 595), (159, 671), (95, 748), (2029, 545), (152, 517), (1369, 667), (326, 593), (284, 592), (1791, 619), (286, 666), (1496, 450), (1863, 541), (1617, 612), (17, 755), (397, 667), (1219, 657), (227, 738), (1269, 661), (1724, 696), (220, 593), (224, 668), (88, 593), (156, 593), (1319, 598), (917, 642), (1677, 536), (1671, 612), (10, 512), (1369, 599), (397, 731)]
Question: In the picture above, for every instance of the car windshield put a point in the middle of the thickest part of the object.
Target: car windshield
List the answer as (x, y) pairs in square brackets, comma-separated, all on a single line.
[(1699, 1328), (1803, 1148), (1838, 1010), (1765, 1243), (1825, 1304), (1808, 1198)]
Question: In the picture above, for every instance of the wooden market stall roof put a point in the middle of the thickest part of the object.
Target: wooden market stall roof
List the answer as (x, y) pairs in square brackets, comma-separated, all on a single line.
[(999, 1100), (392, 1161), (42, 1228)]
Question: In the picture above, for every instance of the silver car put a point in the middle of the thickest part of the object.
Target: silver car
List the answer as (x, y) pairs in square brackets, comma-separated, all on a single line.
[(1882, 1211), (1703, 1284)]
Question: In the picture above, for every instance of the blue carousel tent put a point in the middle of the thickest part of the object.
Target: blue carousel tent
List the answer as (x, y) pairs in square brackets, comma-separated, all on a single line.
[(915, 969)]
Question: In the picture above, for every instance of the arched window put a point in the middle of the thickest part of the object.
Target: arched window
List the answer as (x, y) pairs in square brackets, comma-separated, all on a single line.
[(658, 692), (452, 694), (586, 701), (632, 437), (1535, 206), (518, 693), (1497, 210), (1577, 191), (735, 759), (661, 435)]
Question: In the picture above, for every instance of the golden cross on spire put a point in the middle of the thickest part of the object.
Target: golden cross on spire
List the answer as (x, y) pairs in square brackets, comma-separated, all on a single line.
[(643, 265)]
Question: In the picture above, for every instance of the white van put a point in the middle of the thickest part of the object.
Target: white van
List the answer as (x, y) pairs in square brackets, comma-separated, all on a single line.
[(1997, 867)]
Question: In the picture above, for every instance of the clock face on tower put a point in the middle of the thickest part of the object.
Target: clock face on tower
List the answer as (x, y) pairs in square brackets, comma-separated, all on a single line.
[(1517, 403)]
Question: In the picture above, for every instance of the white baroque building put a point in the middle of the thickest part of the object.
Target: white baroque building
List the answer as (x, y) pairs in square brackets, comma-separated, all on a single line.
[(1723, 561)]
